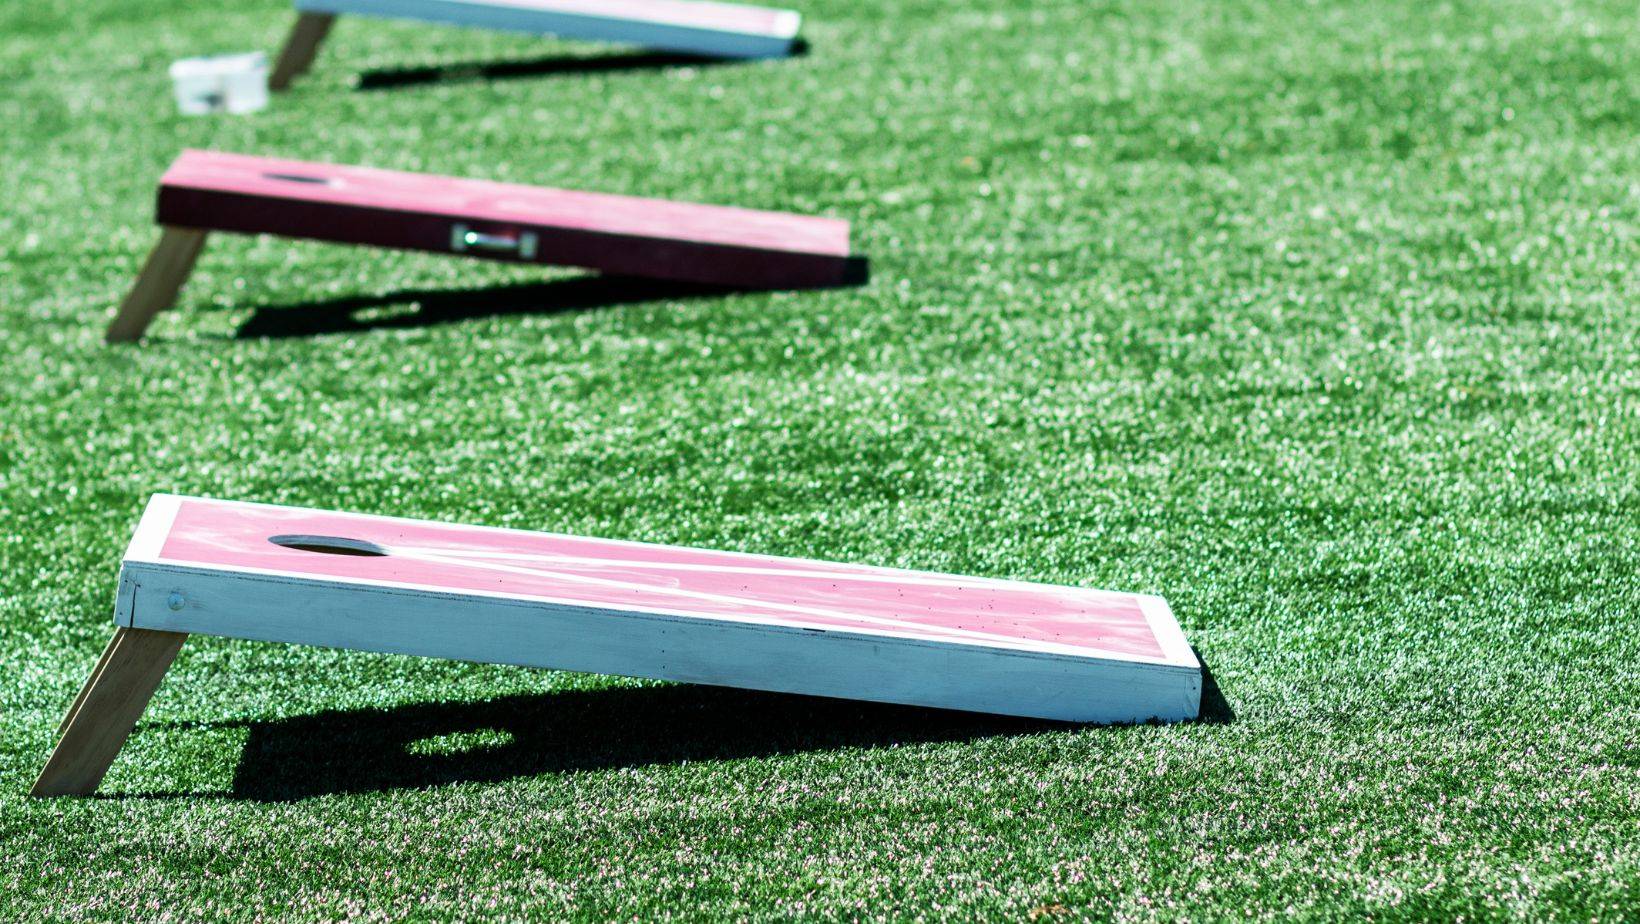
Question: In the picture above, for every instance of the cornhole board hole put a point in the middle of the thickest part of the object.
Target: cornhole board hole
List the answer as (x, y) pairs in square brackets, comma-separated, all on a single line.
[(721, 30), (206, 191), (312, 577)]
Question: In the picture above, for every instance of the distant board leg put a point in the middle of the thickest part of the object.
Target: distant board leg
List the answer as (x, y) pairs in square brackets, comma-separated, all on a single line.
[(300, 49), (106, 710), (168, 267)]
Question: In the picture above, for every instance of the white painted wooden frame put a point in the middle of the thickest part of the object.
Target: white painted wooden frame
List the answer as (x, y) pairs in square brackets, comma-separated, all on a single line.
[(747, 628), (1045, 681)]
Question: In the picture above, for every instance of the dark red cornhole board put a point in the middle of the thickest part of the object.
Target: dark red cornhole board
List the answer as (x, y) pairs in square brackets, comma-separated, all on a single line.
[(717, 245)]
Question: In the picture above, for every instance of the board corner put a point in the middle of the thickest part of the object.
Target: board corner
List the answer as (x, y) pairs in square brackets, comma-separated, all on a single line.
[(152, 529), (1176, 649)]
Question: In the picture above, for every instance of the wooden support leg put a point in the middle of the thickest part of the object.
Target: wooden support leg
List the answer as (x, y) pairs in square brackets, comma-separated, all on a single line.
[(168, 267), (300, 49), (106, 710), (90, 681)]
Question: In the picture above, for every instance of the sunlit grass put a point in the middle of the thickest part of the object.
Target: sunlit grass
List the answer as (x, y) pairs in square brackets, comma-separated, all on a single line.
[(1319, 319)]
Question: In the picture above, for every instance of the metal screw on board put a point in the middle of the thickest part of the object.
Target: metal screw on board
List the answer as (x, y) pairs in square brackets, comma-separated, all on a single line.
[(174, 601), (463, 239)]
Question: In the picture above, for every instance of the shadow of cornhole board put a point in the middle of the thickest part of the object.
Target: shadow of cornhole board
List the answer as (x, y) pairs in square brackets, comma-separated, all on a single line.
[(720, 30), (312, 577), (206, 191)]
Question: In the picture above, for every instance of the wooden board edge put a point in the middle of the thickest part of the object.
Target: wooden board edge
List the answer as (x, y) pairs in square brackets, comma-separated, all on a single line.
[(125, 599)]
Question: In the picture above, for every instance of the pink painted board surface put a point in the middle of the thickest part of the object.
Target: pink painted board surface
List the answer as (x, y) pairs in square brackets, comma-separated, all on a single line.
[(650, 578)]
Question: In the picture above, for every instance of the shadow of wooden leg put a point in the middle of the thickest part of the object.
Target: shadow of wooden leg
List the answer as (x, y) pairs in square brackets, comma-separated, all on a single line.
[(300, 49), (168, 267), (106, 710)]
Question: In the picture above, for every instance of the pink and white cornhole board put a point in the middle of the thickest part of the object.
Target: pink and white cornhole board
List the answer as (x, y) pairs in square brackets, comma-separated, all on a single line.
[(730, 30), (205, 191), (513, 597), (372, 583), (724, 30)]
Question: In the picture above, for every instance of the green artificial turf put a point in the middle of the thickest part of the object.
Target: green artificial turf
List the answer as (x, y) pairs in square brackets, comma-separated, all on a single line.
[(1320, 319)]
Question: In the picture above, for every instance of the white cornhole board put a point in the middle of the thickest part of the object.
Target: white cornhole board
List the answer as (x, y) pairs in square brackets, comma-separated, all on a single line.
[(691, 26), (610, 607)]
